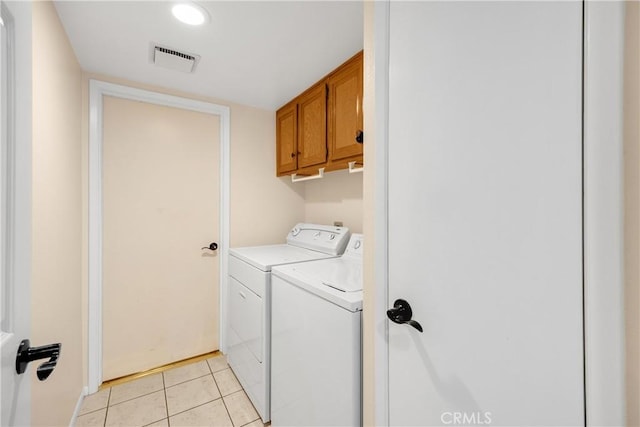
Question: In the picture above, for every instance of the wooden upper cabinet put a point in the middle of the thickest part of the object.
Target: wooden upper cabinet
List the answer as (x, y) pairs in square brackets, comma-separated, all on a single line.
[(286, 138), (345, 110), (318, 129), (312, 126)]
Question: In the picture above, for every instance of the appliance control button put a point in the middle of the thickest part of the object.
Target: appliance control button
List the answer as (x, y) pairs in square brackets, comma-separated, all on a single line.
[(332, 236), (357, 244), (295, 231), (316, 235)]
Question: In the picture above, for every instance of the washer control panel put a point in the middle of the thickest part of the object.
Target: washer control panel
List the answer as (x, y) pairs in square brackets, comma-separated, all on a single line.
[(322, 238)]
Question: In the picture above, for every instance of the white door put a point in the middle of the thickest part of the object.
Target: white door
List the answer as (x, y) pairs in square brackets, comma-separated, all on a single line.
[(160, 210), (15, 219), (485, 213)]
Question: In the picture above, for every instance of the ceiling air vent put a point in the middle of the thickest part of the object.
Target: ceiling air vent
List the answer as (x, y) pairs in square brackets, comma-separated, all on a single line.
[(173, 59)]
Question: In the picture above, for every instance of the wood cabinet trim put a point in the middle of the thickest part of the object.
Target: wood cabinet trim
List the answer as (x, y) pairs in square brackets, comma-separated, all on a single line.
[(312, 142), (341, 142), (286, 162)]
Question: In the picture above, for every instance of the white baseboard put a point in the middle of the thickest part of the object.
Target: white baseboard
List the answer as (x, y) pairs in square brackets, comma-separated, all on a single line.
[(83, 393)]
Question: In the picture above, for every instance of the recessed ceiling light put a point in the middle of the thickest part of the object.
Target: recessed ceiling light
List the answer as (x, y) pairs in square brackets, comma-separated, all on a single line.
[(190, 13)]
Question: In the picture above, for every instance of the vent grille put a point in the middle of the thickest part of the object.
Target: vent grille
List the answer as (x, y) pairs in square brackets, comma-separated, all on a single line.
[(173, 59), (175, 53)]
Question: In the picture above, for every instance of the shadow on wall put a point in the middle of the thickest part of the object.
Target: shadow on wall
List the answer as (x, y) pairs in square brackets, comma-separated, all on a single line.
[(296, 187), (336, 197), (335, 186)]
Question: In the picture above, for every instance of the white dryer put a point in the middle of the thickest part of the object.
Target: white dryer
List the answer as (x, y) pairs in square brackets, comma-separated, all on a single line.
[(249, 302), (316, 345)]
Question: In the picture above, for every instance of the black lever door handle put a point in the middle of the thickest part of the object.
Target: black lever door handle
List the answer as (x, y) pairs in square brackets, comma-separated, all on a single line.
[(213, 246), (27, 354), (401, 313)]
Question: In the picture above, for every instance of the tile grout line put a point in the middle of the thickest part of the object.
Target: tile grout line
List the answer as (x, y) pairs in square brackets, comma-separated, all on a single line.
[(197, 406), (110, 403), (202, 404), (218, 388), (164, 387), (186, 381), (250, 422), (91, 412), (106, 413), (166, 403), (221, 396), (137, 397), (236, 392)]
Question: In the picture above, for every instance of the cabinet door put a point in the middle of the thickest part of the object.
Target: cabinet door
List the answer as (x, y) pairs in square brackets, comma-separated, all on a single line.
[(345, 110), (312, 126), (286, 139)]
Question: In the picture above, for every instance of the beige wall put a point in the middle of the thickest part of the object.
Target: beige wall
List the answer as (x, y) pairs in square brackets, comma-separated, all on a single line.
[(335, 197), (632, 208), (57, 206)]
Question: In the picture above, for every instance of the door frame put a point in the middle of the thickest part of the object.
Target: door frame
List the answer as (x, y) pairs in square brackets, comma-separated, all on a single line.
[(603, 234), (97, 90), (19, 176)]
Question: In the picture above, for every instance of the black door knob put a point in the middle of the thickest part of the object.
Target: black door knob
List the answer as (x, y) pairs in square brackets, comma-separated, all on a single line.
[(28, 354), (401, 313), (359, 137), (213, 246)]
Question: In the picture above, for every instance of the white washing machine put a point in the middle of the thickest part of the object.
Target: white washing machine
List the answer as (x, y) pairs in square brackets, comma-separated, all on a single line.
[(316, 344), (249, 301)]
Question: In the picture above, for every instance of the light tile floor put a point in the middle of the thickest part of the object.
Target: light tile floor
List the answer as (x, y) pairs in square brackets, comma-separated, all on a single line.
[(204, 393)]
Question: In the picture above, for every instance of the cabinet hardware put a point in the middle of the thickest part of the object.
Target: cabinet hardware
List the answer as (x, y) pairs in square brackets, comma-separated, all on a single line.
[(354, 169), (294, 177), (359, 137)]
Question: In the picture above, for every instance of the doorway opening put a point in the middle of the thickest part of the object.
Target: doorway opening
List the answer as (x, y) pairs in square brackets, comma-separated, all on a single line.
[(98, 91)]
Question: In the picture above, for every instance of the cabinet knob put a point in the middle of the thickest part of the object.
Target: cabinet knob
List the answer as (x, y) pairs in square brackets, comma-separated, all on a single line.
[(293, 155), (359, 137)]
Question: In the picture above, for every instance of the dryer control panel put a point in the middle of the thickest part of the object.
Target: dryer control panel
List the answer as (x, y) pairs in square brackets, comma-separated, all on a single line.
[(327, 239), (355, 248)]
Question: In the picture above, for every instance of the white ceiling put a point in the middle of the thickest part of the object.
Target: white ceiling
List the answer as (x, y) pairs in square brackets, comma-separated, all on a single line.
[(260, 53)]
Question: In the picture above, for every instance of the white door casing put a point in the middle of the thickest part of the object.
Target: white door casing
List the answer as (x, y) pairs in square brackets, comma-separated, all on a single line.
[(603, 208), (97, 90), (604, 372), (15, 394)]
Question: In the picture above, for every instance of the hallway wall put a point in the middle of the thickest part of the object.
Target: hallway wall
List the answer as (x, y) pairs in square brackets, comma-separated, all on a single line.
[(56, 304)]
